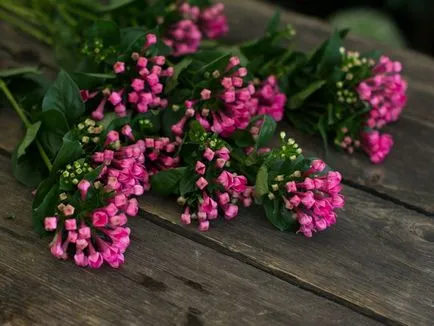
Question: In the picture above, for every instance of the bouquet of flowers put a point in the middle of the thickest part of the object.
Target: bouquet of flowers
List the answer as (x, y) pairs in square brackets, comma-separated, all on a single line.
[(149, 110)]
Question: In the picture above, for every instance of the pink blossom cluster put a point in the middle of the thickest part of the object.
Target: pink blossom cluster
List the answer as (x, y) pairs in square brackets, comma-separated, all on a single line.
[(270, 100), (161, 154), (376, 145), (225, 109), (314, 199), (215, 196), (142, 83), (184, 36), (385, 92)]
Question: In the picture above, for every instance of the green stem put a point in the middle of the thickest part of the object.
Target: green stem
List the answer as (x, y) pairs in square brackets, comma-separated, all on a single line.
[(20, 11), (25, 121)]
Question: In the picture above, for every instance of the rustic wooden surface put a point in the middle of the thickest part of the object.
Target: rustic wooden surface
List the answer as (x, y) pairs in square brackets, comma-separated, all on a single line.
[(375, 265)]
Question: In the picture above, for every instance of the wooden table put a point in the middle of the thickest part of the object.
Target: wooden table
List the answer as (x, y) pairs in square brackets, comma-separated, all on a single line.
[(375, 266)]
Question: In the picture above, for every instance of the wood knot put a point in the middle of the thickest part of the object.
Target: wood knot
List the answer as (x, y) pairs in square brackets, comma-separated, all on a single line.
[(152, 284), (193, 317), (426, 232)]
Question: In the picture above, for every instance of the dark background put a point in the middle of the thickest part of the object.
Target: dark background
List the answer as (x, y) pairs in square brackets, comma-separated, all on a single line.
[(413, 20)]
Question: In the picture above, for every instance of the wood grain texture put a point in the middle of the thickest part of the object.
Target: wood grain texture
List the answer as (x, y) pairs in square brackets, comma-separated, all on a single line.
[(167, 280), (379, 257), (406, 174)]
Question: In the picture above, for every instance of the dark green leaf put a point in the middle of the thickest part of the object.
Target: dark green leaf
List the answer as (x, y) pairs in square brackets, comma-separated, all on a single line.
[(167, 182), (28, 139), (90, 80), (29, 168), (113, 5), (46, 208), (274, 23), (187, 184), (243, 138), (70, 151), (266, 132), (261, 186), (297, 100), (178, 69), (64, 96), (273, 211), (106, 30), (322, 128)]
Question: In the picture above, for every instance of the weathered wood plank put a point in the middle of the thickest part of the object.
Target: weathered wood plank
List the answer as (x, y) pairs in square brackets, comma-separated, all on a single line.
[(167, 280), (379, 257)]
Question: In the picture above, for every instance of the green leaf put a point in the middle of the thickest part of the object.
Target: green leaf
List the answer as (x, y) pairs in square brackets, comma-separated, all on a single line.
[(46, 208), (28, 139), (70, 151), (64, 96), (6, 73), (243, 138), (332, 55), (178, 69), (106, 30), (322, 128), (113, 5), (273, 211), (29, 168), (297, 100), (90, 80), (171, 117), (266, 132), (261, 186), (274, 23), (218, 64), (166, 182), (187, 184)]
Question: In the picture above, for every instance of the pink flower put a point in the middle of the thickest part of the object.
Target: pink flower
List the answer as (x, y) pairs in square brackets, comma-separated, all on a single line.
[(84, 232), (201, 183), (95, 260), (223, 198), (223, 153), (71, 224), (186, 217), (150, 39), (80, 259), (200, 168), (68, 210), (226, 179), (50, 223), (115, 98), (203, 226), (83, 186), (119, 67), (133, 207), (208, 154), (99, 218), (231, 211), (205, 94), (291, 186), (128, 131)]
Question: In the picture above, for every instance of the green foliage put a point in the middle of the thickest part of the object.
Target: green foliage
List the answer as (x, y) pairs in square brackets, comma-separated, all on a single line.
[(167, 182)]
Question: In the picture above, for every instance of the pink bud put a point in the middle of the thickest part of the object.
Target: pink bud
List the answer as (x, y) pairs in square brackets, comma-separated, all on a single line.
[(220, 163), (231, 211), (201, 183), (50, 223), (84, 232), (150, 39), (203, 226), (119, 67), (111, 209), (200, 168), (205, 94), (128, 131), (68, 210), (291, 186), (223, 198), (133, 207), (83, 186), (115, 98), (99, 218), (208, 154), (71, 224)]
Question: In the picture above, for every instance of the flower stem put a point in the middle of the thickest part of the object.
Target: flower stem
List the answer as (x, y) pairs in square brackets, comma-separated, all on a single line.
[(25, 121)]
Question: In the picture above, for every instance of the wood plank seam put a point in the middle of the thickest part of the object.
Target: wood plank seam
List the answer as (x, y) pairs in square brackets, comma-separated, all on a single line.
[(221, 248)]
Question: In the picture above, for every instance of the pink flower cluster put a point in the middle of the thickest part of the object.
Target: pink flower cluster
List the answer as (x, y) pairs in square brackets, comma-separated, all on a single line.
[(385, 92), (160, 154), (270, 100), (184, 36), (376, 145), (141, 85), (213, 197), (314, 200), (232, 108)]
